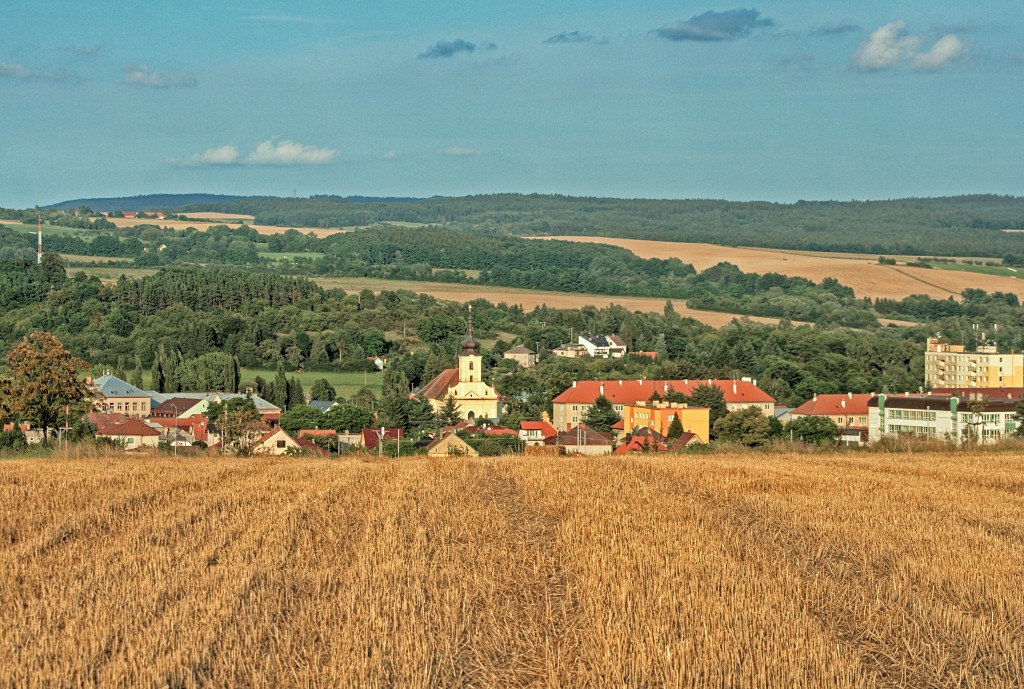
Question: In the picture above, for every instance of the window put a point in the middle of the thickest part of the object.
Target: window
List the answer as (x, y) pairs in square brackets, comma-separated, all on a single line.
[(281, 444), (470, 365)]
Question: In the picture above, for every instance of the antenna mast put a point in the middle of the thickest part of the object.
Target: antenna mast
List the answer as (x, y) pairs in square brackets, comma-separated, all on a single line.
[(39, 247)]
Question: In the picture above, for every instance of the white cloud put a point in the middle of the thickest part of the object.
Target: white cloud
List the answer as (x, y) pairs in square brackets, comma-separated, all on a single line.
[(945, 52), (289, 153), (891, 47), (222, 155), (14, 71), (141, 75), (270, 152), (460, 152), (887, 46)]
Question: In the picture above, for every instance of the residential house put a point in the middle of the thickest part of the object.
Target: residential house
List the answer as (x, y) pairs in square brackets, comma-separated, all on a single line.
[(535, 433), (583, 441), (476, 399), (848, 412), (570, 407), (269, 413), (603, 346), (955, 419), (524, 356), (111, 395), (275, 442), (451, 444), (371, 437), (129, 432), (323, 405), (570, 350)]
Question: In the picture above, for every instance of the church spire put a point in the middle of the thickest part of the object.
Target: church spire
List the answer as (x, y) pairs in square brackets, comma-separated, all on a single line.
[(470, 346)]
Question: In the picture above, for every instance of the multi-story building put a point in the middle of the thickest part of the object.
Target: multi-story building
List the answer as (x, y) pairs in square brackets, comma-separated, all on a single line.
[(112, 395), (659, 416), (955, 419), (951, 366), (571, 406)]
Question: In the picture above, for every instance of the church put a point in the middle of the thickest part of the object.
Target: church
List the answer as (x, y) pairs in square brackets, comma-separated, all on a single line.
[(476, 399)]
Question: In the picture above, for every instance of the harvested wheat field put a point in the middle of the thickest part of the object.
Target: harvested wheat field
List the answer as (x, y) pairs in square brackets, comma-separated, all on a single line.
[(863, 273), (689, 571), (203, 226), (530, 299)]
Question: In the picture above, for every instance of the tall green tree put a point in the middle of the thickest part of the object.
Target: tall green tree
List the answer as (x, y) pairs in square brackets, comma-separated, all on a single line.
[(710, 396), (279, 391), (601, 415), (449, 414), (817, 430), (41, 378), (747, 427), (137, 372), (393, 409), (296, 395), (323, 390)]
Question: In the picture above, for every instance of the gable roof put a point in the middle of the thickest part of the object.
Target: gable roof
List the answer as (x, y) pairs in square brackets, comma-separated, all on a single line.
[(629, 391), (834, 405), (437, 389), (174, 406), (448, 443), (371, 436), (114, 426), (322, 405), (262, 406), (604, 340), (520, 349), (112, 386), (640, 444), (546, 429), (580, 435), (683, 440)]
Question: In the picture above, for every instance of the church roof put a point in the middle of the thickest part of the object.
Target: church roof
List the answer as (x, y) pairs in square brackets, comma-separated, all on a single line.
[(437, 389)]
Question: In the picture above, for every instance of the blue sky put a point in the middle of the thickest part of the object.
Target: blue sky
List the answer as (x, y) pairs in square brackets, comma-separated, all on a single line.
[(775, 100)]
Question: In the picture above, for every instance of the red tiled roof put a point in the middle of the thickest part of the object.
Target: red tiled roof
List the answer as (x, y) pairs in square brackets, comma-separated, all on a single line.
[(629, 391), (437, 389), (310, 445), (371, 436), (175, 406), (546, 429), (580, 435), (987, 393), (640, 445), (499, 431), (834, 405), (121, 427)]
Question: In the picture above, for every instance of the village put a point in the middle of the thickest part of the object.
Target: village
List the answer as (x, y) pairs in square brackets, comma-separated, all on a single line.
[(972, 399)]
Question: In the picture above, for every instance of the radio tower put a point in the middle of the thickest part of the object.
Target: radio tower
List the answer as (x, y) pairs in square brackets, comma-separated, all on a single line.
[(39, 248)]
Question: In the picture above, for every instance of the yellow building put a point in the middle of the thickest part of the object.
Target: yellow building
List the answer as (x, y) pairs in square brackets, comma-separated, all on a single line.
[(658, 416), (476, 399), (949, 366)]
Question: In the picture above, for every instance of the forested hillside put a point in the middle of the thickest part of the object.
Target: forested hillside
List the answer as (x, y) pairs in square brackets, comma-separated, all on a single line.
[(953, 226)]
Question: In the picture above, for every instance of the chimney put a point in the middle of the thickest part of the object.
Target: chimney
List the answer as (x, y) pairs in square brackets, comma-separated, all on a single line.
[(844, 404), (602, 388), (734, 387), (850, 395), (620, 382), (687, 381), (815, 398), (574, 383)]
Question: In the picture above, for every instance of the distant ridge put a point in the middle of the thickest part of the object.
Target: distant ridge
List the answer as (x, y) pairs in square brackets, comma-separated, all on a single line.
[(144, 202), (147, 202)]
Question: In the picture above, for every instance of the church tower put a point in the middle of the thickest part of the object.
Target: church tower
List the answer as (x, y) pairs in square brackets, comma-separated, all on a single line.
[(470, 361)]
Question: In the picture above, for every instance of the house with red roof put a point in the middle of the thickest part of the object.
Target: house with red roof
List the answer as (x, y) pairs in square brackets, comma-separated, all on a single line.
[(570, 407), (129, 432), (845, 411), (581, 440), (536, 432), (373, 436)]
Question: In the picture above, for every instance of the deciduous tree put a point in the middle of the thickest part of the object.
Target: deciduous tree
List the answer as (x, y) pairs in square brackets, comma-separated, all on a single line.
[(41, 379)]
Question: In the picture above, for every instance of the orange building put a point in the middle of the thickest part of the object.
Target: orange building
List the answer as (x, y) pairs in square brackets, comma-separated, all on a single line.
[(658, 416)]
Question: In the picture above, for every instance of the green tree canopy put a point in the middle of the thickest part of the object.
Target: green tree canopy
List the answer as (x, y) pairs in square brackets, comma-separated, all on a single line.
[(41, 379), (747, 427)]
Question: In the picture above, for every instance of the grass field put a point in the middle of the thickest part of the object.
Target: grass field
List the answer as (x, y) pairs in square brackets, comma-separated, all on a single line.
[(347, 384), (1004, 271), (47, 229), (690, 571), (861, 272)]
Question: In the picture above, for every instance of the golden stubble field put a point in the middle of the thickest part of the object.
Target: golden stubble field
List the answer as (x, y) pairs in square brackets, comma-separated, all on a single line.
[(862, 273), (691, 571), (213, 219)]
